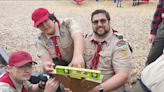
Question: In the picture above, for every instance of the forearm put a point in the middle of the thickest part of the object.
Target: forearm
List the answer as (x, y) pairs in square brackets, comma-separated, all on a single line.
[(78, 44), (114, 82), (46, 59), (35, 88)]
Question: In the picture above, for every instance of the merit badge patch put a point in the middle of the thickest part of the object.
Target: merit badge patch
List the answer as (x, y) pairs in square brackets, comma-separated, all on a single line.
[(107, 44), (36, 39), (121, 43), (67, 23), (124, 53), (48, 43), (62, 34)]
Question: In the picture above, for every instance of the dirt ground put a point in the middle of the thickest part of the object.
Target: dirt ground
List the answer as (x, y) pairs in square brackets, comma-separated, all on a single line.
[(17, 31)]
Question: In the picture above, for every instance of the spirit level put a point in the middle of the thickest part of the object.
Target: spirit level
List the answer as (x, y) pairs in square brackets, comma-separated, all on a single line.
[(85, 73)]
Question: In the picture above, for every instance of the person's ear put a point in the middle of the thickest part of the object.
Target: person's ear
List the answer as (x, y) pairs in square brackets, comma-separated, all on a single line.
[(8, 68)]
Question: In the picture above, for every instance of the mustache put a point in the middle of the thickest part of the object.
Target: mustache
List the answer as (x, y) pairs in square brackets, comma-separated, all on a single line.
[(100, 27)]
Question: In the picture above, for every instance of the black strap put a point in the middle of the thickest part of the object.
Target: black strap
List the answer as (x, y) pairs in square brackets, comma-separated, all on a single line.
[(143, 86)]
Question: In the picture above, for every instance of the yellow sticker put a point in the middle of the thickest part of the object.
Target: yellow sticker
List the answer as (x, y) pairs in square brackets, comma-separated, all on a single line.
[(124, 53)]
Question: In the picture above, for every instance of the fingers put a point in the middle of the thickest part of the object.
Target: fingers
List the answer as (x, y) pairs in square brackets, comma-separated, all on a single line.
[(67, 90), (49, 67), (53, 82), (70, 65)]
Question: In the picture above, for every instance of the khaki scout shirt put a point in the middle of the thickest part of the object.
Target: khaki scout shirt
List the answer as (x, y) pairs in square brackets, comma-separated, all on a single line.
[(153, 75), (5, 87), (112, 57), (45, 45)]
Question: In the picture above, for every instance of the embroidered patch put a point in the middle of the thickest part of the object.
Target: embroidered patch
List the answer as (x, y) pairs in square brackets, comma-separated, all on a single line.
[(124, 53), (50, 48), (107, 44), (48, 43), (71, 48), (89, 51), (62, 34), (36, 39), (67, 23), (121, 43), (90, 48), (6, 90)]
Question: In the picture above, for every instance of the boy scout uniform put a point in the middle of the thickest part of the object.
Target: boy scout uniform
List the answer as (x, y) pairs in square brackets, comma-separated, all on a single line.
[(5, 87), (115, 55), (64, 30)]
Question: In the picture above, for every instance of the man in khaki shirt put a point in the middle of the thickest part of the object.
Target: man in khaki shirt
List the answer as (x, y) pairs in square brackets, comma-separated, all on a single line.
[(107, 51), (60, 42), (18, 73)]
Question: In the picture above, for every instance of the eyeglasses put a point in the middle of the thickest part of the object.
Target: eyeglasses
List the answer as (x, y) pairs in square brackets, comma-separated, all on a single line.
[(102, 21)]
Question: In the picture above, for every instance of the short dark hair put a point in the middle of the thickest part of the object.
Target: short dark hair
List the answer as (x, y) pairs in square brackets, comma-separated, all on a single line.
[(100, 11), (52, 17)]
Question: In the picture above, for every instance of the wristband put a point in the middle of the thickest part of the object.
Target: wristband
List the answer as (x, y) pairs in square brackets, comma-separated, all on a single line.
[(100, 88)]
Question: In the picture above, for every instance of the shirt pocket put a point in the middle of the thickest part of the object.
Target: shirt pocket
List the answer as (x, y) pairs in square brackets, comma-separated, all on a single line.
[(88, 56), (67, 40), (105, 59)]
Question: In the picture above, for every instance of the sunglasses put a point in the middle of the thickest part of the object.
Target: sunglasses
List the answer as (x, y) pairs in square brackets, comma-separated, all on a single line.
[(102, 21)]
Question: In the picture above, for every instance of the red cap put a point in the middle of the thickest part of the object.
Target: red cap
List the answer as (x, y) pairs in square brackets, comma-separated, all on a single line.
[(20, 58), (39, 15)]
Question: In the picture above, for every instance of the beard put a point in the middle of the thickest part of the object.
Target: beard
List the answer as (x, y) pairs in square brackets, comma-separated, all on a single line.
[(102, 34)]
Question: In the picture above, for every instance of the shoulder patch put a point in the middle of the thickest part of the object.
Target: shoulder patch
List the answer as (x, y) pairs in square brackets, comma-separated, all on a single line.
[(67, 23), (36, 39), (121, 43), (118, 35), (87, 35), (6, 90)]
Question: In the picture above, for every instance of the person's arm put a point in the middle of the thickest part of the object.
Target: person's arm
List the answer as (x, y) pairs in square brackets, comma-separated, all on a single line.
[(47, 63), (119, 79), (77, 60), (156, 21)]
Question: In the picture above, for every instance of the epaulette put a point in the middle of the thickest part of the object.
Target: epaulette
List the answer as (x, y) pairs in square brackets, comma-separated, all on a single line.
[(87, 35), (118, 35)]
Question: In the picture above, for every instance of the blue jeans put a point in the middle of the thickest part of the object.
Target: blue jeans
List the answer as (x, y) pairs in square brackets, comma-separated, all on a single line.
[(118, 1)]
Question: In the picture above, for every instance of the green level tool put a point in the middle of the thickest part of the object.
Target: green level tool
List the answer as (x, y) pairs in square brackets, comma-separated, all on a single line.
[(85, 73)]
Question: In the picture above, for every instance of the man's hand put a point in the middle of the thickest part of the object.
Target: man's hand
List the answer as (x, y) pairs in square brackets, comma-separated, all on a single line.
[(51, 85), (77, 61), (67, 90), (48, 67), (151, 38)]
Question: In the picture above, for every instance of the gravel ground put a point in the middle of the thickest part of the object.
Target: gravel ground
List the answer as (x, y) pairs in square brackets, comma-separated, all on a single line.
[(17, 31)]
